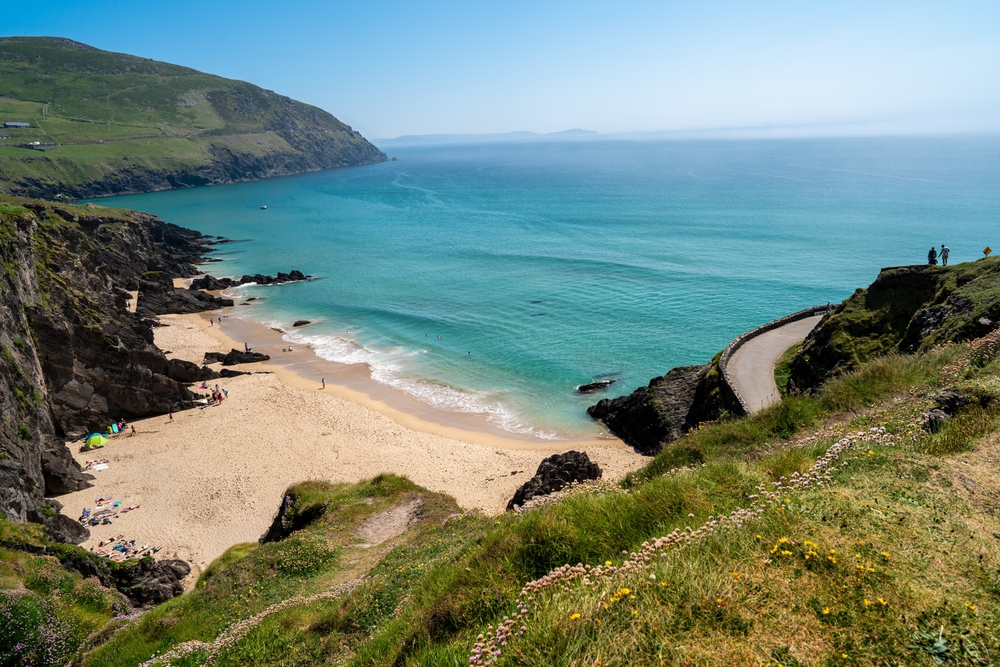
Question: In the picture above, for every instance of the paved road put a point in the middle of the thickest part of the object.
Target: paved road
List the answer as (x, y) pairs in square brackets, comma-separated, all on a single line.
[(751, 368)]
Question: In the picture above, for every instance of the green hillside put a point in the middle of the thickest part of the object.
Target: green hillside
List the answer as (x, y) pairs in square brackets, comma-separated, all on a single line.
[(830, 529), (110, 123)]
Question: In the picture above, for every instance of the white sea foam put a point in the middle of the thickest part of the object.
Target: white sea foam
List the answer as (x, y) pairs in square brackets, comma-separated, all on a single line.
[(389, 367)]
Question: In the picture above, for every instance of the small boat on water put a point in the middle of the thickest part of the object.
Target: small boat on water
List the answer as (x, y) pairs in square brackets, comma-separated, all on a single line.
[(263, 208)]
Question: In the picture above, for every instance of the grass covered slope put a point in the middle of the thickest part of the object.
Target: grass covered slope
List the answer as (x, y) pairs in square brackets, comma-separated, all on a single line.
[(831, 529), (117, 123), (906, 309)]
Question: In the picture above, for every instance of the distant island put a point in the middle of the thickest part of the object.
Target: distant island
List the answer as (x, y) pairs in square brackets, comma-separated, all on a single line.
[(76, 121), (425, 139)]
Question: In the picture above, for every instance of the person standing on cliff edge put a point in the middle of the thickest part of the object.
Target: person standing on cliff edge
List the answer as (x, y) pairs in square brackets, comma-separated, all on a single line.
[(932, 257), (945, 251)]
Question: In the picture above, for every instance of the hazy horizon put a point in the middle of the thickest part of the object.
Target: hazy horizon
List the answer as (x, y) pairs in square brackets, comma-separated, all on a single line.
[(396, 69)]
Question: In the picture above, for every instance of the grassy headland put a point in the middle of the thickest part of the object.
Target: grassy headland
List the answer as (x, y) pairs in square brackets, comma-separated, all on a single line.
[(110, 123)]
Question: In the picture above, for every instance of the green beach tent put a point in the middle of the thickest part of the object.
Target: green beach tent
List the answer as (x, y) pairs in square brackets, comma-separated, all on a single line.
[(96, 440)]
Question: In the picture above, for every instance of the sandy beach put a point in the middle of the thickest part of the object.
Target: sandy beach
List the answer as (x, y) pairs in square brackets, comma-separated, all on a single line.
[(214, 476)]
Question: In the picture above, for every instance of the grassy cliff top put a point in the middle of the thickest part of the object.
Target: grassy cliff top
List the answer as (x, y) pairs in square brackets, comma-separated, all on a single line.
[(94, 112)]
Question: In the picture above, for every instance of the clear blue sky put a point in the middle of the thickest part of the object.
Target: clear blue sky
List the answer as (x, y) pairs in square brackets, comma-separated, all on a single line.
[(390, 68)]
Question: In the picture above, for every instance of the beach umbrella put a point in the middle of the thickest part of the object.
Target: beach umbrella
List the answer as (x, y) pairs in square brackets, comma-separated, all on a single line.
[(96, 440)]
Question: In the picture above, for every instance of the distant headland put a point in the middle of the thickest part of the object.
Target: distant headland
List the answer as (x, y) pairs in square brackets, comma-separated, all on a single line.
[(80, 122)]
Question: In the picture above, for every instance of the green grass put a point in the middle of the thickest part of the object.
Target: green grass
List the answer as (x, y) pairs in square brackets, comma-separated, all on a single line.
[(108, 112), (46, 611), (905, 309), (892, 562), (783, 368)]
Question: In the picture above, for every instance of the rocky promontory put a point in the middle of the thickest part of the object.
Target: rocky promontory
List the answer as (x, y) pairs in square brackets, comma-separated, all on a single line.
[(663, 410), (213, 284)]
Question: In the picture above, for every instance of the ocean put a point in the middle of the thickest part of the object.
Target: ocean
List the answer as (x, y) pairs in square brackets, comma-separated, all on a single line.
[(496, 278)]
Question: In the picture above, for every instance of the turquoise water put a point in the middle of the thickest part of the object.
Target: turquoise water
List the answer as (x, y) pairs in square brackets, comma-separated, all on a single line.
[(557, 264)]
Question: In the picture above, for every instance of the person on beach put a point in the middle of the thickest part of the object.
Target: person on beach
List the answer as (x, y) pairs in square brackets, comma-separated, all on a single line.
[(170, 415), (932, 257), (323, 383), (211, 322), (226, 392), (246, 347), (133, 431), (945, 251)]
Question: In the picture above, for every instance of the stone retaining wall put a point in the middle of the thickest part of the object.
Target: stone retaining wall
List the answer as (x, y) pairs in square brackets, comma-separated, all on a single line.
[(730, 394)]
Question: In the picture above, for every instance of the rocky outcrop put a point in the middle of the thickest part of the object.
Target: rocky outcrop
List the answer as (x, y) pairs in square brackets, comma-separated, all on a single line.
[(158, 296), (72, 358), (553, 474), (906, 309), (213, 284), (595, 386), (664, 410), (234, 357), (149, 582), (189, 372)]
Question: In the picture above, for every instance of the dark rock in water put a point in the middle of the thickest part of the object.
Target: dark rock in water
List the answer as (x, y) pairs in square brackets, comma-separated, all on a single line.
[(234, 357), (253, 298), (301, 323), (228, 373), (188, 372), (594, 386), (395, 159), (212, 283), (554, 473), (664, 410)]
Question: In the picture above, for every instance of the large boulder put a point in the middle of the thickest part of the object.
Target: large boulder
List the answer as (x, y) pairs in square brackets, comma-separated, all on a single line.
[(150, 582), (61, 528), (61, 472), (664, 410), (553, 474), (234, 357), (188, 372)]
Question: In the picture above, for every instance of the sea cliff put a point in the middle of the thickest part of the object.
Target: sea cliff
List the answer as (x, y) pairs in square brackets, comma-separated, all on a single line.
[(74, 357)]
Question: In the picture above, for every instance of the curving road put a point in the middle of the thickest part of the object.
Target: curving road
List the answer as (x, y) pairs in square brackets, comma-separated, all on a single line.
[(751, 368)]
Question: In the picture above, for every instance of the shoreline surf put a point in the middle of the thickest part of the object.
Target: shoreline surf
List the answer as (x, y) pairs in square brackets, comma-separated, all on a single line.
[(304, 368)]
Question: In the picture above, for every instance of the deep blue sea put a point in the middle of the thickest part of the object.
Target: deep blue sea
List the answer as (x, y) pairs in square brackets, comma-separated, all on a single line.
[(556, 264)]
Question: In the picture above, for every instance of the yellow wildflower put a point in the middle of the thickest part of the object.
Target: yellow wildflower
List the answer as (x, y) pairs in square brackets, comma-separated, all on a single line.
[(826, 610), (573, 617)]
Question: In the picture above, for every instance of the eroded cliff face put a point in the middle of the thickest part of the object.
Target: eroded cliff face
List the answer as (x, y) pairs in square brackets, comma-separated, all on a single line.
[(72, 357)]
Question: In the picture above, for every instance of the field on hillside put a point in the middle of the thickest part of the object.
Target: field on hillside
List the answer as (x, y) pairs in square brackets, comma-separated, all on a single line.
[(96, 114)]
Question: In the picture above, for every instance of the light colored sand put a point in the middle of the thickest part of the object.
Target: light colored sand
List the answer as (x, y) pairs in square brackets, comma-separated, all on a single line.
[(214, 477)]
